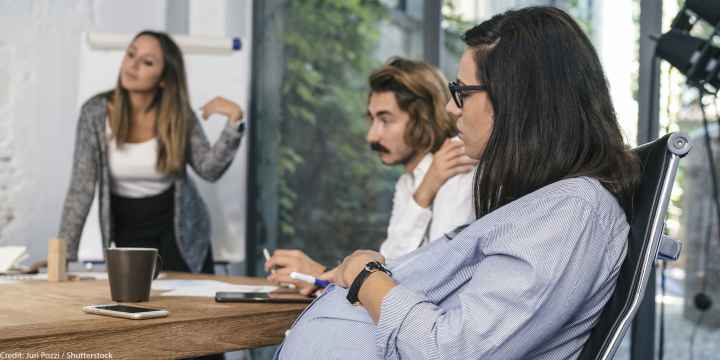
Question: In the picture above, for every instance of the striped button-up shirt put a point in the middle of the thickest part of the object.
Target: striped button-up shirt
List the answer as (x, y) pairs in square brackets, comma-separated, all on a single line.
[(527, 281)]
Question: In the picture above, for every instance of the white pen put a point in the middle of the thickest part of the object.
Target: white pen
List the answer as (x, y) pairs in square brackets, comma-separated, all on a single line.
[(309, 279), (266, 254)]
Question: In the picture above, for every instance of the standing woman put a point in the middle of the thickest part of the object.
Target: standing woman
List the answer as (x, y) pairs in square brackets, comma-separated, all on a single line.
[(135, 142)]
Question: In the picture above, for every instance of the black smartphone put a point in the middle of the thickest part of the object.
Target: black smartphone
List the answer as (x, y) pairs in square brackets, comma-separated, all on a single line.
[(232, 296)]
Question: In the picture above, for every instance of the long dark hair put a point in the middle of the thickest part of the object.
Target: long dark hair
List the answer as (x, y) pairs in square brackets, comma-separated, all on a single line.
[(553, 117), (172, 103)]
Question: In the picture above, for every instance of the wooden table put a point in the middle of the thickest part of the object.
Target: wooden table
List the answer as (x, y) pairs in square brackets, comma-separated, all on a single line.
[(38, 317)]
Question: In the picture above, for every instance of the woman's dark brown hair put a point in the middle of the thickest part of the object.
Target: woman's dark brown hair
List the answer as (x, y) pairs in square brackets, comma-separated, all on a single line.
[(553, 117)]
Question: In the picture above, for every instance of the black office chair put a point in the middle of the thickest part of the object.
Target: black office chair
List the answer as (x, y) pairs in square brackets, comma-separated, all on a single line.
[(659, 161)]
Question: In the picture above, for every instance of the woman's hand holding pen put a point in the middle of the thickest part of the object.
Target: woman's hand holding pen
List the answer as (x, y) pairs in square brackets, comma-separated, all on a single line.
[(223, 106)]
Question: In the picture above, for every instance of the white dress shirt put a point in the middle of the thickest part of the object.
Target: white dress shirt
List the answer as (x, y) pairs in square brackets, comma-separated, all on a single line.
[(412, 226)]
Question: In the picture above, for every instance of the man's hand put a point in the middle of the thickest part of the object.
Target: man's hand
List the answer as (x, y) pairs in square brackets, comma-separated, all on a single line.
[(286, 261), (447, 162)]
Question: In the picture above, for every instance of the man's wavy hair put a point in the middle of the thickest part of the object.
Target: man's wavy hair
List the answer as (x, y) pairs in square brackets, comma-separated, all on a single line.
[(553, 117), (421, 91)]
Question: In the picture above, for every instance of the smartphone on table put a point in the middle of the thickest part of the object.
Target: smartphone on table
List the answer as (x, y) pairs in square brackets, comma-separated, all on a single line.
[(125, 311), (233, 296)]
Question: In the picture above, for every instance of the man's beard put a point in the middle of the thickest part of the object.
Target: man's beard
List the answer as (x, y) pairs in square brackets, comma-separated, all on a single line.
[(378, 148)]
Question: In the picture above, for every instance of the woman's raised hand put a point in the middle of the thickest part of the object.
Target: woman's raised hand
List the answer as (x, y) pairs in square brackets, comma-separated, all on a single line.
[(223, 106)]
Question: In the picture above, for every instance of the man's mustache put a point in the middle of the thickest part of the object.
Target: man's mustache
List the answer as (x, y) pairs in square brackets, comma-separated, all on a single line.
[(378, 148)]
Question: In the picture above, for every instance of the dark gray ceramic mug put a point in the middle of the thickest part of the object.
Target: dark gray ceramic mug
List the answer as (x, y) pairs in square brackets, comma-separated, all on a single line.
[(131, 272)]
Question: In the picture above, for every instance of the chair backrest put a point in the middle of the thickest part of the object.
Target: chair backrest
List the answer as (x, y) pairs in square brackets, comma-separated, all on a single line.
[(659, 161)]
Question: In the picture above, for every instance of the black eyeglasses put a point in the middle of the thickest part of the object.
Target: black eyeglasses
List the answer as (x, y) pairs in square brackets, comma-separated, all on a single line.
[(458, 91)]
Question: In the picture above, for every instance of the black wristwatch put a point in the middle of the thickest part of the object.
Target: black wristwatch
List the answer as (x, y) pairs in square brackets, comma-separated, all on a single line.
[(369, 268)]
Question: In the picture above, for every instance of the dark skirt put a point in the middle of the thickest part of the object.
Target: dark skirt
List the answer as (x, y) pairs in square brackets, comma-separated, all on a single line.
[(149, 222)]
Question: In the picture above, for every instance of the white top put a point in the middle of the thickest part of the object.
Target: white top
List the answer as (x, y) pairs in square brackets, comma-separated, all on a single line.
[(133, 170), (412, 226)]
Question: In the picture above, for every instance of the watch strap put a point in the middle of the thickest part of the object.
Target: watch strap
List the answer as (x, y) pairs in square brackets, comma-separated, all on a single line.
[(369, 268)]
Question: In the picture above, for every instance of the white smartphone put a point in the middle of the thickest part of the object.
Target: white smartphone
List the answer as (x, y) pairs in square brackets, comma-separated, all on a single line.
[(125, 311)]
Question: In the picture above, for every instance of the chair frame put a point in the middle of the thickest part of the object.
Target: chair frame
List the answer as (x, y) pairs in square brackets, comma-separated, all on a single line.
[(677, 146)]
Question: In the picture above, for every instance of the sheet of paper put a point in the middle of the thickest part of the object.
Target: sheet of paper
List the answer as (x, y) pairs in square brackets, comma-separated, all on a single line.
[(23, 277), (79, 275), (204, 288)]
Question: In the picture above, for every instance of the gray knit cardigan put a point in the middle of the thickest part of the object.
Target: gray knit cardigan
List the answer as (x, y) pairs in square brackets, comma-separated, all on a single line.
[(90, 168)]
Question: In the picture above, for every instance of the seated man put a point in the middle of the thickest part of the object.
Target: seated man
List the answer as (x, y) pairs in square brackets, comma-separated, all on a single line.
[(409, 126), (530, 277)]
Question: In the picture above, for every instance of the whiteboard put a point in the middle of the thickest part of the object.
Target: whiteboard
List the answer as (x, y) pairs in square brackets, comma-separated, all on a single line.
[(209, 74)]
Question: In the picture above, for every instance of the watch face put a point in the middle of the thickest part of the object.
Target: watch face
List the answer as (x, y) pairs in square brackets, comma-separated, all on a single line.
[(374, 266)]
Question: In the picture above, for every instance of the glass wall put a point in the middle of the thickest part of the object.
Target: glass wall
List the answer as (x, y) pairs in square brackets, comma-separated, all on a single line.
[(314, 183), (317, 186)]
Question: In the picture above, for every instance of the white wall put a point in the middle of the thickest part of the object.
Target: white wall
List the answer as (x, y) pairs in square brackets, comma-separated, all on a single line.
[(39, 51), (39, 45), (129, 16)]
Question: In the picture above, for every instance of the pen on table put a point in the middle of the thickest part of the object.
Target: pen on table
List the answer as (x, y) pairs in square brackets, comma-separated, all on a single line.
[(309, 279)]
